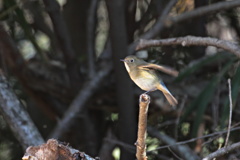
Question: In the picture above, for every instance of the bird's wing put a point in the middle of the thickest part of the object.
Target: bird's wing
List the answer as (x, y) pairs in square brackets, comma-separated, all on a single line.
[(164, 69)]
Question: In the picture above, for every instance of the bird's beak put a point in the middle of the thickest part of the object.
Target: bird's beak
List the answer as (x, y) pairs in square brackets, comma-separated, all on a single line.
[(122, 60)]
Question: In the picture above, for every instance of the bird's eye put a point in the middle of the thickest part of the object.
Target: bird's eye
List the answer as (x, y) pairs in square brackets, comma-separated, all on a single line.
[(131, 60)]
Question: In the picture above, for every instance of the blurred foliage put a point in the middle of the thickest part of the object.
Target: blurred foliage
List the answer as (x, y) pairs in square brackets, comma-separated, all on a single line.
[(235, 93), (200, 104), (116, 153)]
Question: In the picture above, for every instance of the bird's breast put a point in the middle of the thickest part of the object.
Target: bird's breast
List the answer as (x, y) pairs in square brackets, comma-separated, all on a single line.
[(145, 80), (127, 67)]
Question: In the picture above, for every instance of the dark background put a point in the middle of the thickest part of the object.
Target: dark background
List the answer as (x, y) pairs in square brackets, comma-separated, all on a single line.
[(68, 53)]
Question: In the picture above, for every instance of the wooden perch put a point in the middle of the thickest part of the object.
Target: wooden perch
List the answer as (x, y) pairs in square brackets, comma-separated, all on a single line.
[(54, 150), (144, 101)]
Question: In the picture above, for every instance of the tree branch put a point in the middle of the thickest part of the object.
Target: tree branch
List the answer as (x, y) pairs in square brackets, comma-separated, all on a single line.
[(202, 11), (183, 150), (61, 31), (155, 133), (194, 139), (165, 21), (17, 118), (191, 41), (157, 27), (230, 112), (223, 151), (78, 104), (144, 101)]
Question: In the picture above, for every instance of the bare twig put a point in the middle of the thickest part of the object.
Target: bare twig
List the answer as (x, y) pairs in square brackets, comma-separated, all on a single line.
[(17, 118), (174, 154), (202, 11), (191, 41), (194, 139), (61, 31), (223, 151), (230, 112), (165, 21), (183, 150), (144, 101), (131, 148), (91, 25), (78, 103), (158, 26)]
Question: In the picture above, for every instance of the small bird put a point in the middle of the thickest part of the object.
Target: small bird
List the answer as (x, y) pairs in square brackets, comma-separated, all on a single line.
[(146, 76)]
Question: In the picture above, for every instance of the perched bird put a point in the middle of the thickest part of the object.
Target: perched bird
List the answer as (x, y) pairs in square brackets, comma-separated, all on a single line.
[(146, 76)]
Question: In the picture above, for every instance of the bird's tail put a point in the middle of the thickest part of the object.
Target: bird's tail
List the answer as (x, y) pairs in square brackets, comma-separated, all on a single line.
[(172, 100)]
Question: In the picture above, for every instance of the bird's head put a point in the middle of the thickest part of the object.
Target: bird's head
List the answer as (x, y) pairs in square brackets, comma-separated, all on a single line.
[(131, 62)]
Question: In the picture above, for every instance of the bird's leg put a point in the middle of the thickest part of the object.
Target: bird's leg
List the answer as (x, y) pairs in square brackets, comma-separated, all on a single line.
[(150, 91)]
